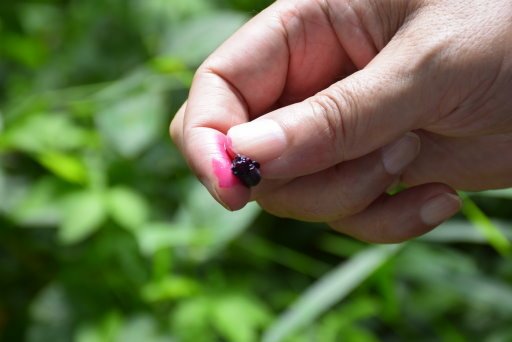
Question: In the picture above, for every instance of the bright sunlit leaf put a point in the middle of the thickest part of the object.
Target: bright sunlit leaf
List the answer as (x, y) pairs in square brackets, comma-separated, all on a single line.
[(169, 288), (66, 166)]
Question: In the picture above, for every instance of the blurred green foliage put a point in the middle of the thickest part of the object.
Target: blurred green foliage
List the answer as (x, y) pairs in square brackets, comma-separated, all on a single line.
[(105, 235)]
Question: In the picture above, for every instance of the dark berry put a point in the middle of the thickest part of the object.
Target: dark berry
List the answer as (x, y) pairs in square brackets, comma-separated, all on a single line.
[(246, 170)]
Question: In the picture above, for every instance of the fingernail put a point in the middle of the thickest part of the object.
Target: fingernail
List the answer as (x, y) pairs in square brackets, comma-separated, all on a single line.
[(263, 139), (440, 208), (401, 153), (228, 146)]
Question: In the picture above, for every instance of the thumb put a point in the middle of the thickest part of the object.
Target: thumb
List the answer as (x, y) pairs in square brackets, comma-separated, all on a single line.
[(351, 118)]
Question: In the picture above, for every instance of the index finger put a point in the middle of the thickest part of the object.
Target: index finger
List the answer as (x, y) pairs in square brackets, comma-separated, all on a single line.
[(249, 74)]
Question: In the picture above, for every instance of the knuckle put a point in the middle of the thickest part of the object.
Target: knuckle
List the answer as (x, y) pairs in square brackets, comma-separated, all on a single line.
[(327, 111), (335, 113)]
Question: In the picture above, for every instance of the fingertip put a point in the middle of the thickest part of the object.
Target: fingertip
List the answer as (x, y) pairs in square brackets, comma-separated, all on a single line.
[(231, 199), (406, 215), (235, 199), (208, 158), (227, 189)]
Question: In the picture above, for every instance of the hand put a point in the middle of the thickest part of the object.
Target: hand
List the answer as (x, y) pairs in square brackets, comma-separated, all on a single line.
[(324, 93)]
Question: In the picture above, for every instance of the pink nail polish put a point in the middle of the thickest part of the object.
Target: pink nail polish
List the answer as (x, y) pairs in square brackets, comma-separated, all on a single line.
[(222, 170), (228, 147), (222, 165)]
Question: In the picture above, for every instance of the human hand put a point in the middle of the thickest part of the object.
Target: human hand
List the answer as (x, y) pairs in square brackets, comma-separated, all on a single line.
[(319, 91)]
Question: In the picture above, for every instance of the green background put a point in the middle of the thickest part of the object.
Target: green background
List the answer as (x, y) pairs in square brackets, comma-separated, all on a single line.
[(106, 236)]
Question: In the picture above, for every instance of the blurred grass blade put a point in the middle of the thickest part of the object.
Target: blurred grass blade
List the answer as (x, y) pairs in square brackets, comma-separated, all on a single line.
[(500, 193), (329, 290), (285, 256), (483, 224), (341, 246), (462, 231)]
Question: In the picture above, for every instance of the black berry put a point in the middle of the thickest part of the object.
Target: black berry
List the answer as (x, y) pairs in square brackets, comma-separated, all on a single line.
[(246, 170)]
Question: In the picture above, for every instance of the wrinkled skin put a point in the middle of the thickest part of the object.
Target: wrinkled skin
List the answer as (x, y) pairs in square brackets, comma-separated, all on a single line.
[(337, 83)]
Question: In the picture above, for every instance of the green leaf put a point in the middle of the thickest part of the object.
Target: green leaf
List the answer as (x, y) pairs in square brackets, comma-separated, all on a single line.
[(168, 65), (193, 40), (329, 290), (51, 316), (169, 288), (43, 132), (66, 166), (133, 123), (27, 50), (142, 327), (192, 318), (344, 322), (40, 205), (104, 330), (157, 235), (84, 213), (127, 207), (201, 211), (239, 317)]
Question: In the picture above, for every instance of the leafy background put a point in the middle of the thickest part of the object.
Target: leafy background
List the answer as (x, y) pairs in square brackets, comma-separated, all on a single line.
[(106, 236)]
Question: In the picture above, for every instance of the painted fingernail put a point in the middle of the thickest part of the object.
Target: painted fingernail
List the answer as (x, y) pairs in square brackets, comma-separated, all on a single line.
[(228, 146), (440, 208), (262, 139), (401, 153)]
